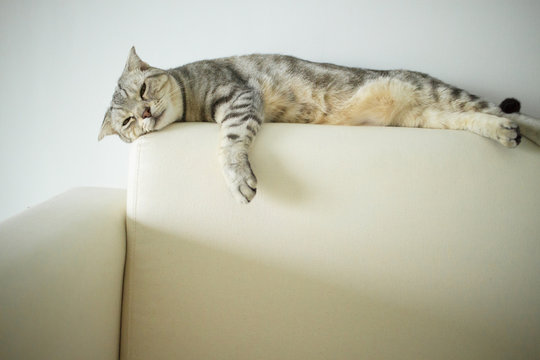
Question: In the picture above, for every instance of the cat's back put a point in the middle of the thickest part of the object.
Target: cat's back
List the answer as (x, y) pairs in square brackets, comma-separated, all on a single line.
[(277, 67)]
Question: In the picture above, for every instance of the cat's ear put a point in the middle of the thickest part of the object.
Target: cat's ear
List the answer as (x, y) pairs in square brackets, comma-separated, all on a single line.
[(134, 62), (106, 127)]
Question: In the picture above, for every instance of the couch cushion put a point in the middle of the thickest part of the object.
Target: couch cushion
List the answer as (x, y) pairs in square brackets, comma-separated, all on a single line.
[(61, 272), (362, 242)]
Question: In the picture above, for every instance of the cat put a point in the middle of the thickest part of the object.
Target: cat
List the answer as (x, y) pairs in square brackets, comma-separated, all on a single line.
[(241, 93)]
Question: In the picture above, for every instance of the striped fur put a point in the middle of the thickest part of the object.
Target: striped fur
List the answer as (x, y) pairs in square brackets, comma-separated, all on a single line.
[(241, 93)]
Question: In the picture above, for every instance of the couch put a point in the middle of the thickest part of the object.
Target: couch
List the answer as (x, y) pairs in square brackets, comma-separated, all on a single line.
[(361, 243)]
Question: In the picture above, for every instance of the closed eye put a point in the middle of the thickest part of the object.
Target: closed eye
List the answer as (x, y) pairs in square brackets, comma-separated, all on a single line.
[(143, 90), (127, 121)]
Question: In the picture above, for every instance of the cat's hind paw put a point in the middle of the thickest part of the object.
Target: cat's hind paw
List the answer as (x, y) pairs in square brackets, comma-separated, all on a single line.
[(508, 134)]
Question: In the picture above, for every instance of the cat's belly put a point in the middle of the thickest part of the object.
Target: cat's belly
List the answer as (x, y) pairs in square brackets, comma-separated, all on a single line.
[(293, 106), (380, 102)]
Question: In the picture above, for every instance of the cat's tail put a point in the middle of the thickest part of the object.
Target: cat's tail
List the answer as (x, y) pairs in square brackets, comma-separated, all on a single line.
[(510, 106)]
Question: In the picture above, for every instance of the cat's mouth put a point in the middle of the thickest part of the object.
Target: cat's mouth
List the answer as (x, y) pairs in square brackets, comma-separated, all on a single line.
[(148, 113)]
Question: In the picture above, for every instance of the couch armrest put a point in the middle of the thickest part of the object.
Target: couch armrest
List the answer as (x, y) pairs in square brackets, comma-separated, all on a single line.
[(61, 274)]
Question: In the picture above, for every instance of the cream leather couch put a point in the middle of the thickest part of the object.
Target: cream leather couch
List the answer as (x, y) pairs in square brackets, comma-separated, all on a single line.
[(362, 243)]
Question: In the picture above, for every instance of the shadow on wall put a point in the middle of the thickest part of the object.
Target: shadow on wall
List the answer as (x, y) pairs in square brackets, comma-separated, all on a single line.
[(186, 299)]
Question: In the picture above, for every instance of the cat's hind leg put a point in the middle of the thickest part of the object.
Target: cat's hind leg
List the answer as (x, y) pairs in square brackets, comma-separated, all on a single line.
[(501, 129), (529, 126)]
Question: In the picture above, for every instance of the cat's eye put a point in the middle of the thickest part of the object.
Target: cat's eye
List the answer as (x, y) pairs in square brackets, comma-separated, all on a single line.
[(127, 121), (143, 90)]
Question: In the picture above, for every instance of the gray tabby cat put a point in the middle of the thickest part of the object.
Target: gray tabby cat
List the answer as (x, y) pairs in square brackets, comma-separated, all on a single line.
[(240, 93)]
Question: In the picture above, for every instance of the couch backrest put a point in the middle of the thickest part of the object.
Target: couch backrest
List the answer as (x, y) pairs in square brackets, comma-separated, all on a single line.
[(361, 243)]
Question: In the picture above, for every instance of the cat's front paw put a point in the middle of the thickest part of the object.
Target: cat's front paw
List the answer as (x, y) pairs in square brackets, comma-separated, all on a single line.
[(508, 134), (148, 124), (241, 181)]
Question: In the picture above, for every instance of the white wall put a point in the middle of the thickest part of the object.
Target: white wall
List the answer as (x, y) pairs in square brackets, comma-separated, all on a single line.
[(60, 60)]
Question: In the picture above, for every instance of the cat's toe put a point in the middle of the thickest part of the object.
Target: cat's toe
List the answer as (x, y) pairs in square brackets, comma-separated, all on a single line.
[(247, 193), (242, 182), (508, 134), (243, 192), (148, 124)]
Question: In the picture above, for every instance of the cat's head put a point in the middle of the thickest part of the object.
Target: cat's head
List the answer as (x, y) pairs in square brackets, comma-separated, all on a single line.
[(145, 99)]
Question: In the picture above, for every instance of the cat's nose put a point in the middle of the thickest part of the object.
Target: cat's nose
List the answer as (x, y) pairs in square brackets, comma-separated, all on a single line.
[(146, 113)]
